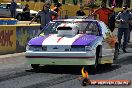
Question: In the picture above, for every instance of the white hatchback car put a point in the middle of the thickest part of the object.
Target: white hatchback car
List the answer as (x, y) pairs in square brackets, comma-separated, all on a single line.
[(5, 11)]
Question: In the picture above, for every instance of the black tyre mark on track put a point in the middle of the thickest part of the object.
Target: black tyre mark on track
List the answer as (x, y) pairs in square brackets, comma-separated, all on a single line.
[(52, 82), (15, 75)]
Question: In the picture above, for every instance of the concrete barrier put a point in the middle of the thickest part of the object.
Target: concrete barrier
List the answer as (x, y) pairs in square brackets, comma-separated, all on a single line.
[(13, 38)]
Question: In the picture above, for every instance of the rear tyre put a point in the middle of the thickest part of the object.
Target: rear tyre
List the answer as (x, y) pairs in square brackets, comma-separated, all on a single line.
[(35, 66)]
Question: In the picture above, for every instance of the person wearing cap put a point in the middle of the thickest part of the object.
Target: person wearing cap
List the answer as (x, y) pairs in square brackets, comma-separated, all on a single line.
[(57, 8), (26, 13), (45, 15), (123, 19), (80, 12)]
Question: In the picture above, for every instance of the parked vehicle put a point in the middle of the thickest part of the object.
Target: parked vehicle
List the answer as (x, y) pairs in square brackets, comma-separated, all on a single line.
[(5, 11)]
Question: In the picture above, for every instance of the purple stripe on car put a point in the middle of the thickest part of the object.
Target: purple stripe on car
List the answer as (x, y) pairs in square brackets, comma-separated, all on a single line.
[(84, 40), (37, 40)]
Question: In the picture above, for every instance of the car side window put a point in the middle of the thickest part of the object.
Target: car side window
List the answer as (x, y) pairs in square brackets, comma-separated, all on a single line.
[(3, 6), (92, 28), (105, 30)]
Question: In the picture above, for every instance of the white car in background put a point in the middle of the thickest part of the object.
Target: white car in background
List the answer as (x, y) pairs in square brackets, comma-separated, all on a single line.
[(5, 11)]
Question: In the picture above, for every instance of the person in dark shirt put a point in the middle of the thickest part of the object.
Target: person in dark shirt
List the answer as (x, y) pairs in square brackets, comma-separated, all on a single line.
[(13, 7), (26, 13), (112, 20), (80, 12), (123, 19), (130, 29), (45, 15)]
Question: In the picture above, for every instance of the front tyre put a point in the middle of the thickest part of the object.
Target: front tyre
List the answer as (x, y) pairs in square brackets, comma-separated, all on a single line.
[(98, 55), (35, 66), (116, 53)]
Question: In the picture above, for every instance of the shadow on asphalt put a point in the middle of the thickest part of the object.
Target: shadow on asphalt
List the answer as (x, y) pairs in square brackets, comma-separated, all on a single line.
[(126, 61), (76, 70)]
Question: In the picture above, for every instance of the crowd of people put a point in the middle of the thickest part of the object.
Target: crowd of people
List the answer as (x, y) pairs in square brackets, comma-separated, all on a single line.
[(107, 15), (25, 12), (124, 20)]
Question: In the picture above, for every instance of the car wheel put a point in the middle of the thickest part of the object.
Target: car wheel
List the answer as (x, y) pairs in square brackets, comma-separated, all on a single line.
[(35, 66), (97, 56), (19, 17), (116, 53), (95, 67)]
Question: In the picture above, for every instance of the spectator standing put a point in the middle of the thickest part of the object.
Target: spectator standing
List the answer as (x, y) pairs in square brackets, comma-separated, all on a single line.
[(80, 12), (75, 2), (103, 13), (112, 20), (57, 8), (45, 15), (130, 29), (26, 13), (123, 19), (13, 8), (80, 2), (129, 35)]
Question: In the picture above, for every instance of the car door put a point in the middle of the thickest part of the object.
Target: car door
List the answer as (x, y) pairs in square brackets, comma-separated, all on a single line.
[(107, 46), (4, 10)]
